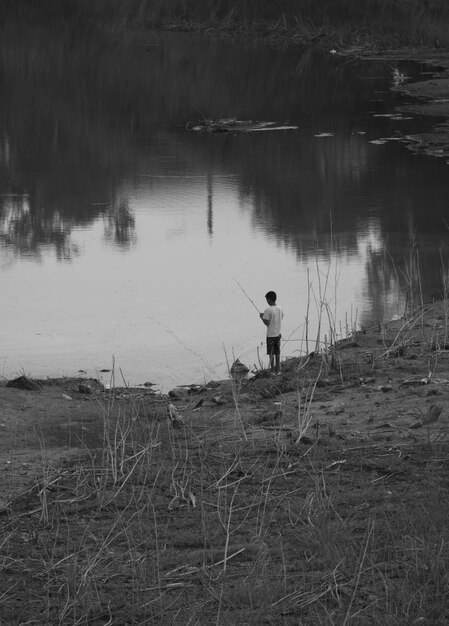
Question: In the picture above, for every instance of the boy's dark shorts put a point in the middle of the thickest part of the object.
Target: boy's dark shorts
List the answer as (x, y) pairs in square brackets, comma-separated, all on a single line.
[(274, 346)]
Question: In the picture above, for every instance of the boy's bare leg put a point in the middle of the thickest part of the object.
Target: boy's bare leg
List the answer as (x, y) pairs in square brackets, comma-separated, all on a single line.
[(278, 363)]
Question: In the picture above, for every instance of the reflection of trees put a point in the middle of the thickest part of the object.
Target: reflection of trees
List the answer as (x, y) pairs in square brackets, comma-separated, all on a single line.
[(415, 270), (320, 196), (26, 229), (210, 205), (304, 188), (120, 223), (60, 155), (385, 285), (78, 104)]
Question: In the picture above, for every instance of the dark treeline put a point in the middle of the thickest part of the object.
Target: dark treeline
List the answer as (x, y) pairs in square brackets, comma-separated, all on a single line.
[(403, 21)]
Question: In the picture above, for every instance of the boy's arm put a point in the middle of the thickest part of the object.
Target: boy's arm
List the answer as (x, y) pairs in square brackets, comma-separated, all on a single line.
[(266, 322)]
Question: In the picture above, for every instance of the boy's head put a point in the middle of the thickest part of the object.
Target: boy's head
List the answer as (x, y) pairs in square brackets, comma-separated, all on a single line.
[(271, 297)]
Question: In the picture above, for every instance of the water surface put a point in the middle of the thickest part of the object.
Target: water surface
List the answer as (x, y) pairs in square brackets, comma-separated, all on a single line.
[(123, 235)]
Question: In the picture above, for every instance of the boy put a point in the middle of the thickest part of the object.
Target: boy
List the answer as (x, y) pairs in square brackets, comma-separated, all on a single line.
[(272, 317)]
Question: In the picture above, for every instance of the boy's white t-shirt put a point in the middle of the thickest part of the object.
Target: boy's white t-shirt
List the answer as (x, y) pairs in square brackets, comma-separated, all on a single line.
[(273, 314)]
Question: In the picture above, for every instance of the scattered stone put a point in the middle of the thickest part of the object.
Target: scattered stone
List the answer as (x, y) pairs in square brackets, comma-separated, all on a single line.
[(196, 389), (239, 371), (84, 389), (23, 383), (177, 394)]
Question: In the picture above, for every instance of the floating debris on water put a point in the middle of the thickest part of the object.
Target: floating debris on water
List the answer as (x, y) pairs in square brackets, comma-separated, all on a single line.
[(393, 116), (383, 140), (399, 77), (234, 125), (324, 135)]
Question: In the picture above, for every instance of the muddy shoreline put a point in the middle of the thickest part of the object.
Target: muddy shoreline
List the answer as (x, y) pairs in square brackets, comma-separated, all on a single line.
[(374, 385)]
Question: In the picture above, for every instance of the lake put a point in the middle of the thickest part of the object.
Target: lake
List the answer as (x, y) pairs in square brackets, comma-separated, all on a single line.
[(129, 242)]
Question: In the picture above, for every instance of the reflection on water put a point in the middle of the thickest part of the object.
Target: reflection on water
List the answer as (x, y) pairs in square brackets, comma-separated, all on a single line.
[(122, 234)]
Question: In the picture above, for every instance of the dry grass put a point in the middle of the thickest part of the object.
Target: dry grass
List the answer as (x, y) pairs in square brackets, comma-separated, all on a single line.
[(202, 525), (249, 511)]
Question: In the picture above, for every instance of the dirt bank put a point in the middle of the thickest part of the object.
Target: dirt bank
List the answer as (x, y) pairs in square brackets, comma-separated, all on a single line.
[(372, 387), (252, 501)]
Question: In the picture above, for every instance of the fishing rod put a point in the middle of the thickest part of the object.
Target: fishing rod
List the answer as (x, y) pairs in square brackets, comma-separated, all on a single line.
[(236, 281), (183, 344)]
